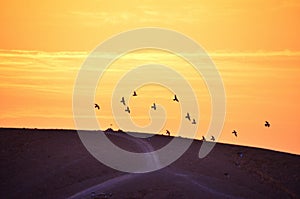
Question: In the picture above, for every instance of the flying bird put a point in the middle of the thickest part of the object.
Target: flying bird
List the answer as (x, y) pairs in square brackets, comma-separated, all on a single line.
[(267, 124), (175, 98), (212, 138), (123, 101), (134, 93), (153, 106), (194, 121), (168, 132), (97, 106), (188, 116), (127, 109), (234, 132)]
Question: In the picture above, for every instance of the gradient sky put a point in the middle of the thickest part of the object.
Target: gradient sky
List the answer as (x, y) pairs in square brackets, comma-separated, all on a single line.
[(254, 44)]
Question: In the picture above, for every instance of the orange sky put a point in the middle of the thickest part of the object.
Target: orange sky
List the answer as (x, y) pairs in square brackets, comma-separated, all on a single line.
[(254, 44)]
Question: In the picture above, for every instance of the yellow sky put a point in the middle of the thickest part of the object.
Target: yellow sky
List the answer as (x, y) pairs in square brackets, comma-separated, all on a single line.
[(254, 45), (217, 25)]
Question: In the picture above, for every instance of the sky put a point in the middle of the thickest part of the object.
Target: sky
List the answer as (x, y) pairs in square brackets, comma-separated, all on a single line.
[(254, 44)]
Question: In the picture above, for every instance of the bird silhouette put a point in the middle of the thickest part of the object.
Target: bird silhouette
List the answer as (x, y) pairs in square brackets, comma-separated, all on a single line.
[(134, 93), (234, 132), (97, 106), (188, 116), (154, 106), (127, 109), (267, 124), (212, 138), (194, 121), (175, 98), (168, 132), (123, 101), (203, 138)]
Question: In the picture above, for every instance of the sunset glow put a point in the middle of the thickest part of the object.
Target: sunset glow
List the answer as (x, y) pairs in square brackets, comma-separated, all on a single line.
[(254, 45)]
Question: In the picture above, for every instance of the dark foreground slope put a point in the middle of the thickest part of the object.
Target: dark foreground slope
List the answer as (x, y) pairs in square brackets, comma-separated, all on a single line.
[(55, 164)]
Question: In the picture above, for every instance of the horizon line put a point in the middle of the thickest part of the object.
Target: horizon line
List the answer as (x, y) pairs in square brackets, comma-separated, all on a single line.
[(65, 129)]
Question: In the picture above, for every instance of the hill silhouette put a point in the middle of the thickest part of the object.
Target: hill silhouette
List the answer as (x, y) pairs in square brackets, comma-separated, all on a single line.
[(54, 163)]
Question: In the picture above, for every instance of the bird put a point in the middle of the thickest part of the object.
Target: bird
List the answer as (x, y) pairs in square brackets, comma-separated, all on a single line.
[(194, 121), (168, 132), (97, 106), (267, 124), (203, 138), (212, 138), (123, 101), (154, 106), (134, 93), (188, 116), (175, 98), (234, 132), (127, 109)]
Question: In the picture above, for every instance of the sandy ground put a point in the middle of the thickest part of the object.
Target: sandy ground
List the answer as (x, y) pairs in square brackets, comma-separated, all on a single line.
[(55, 164)]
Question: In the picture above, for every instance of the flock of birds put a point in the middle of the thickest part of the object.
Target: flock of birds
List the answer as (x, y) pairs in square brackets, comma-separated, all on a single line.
[(188, 117), (127, 109), (234, 132)]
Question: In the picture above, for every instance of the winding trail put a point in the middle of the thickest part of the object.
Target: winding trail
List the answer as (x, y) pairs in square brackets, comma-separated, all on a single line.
[(166, 173), (145, 146)]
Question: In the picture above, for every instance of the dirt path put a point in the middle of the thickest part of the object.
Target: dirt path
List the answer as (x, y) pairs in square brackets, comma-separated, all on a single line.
[(168, 174), (145, 146)]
